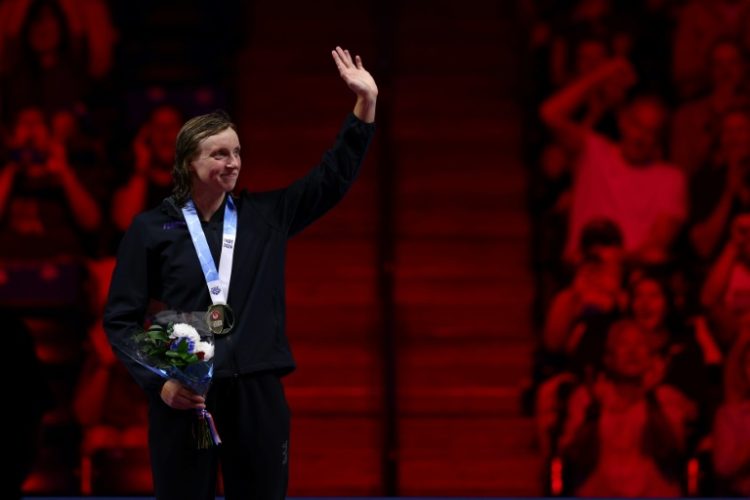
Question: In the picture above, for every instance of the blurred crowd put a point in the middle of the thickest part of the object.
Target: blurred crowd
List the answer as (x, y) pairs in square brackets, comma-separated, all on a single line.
[(638, 134), (92, 95)]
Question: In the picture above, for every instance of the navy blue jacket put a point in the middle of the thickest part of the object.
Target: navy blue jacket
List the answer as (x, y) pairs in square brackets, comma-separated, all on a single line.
[(157, 262)]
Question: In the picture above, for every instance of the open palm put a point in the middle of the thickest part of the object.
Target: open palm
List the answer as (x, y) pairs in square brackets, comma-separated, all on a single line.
[(354, 74)]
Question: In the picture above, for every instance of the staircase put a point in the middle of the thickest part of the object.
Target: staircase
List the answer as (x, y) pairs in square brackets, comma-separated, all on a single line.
[(462, 285)]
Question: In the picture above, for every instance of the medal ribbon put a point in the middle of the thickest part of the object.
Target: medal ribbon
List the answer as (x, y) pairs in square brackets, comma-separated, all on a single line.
[(217, 282)]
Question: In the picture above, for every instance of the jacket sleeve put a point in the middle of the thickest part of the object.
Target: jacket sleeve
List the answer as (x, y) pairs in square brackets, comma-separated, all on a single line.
[(325, 185), (128, 300)]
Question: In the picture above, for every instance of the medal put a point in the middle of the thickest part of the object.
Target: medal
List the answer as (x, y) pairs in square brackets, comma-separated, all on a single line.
[(219, 316), (220, 319)]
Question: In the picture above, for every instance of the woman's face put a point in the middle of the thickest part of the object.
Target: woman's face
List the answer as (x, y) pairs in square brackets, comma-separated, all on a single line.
[(649, 304), (217, 165), (30, 130)]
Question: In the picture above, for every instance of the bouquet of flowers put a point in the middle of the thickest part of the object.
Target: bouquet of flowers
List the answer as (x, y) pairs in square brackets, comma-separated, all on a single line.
[(179, 346)]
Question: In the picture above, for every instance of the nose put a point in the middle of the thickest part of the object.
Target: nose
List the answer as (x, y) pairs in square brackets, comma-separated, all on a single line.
[(233, 161)]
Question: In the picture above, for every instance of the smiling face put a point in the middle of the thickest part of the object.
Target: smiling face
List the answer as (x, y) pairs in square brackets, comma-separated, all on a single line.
[(629, 355), (217, 164)]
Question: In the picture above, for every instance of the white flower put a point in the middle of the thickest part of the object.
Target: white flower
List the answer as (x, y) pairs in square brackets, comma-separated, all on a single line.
[(206, 348), (180, 330)]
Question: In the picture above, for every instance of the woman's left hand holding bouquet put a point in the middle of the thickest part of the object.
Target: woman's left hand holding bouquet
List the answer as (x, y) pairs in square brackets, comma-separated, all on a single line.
[(179, 397)]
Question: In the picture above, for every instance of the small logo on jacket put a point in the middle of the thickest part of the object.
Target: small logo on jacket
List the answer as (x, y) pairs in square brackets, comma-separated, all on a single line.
[(173, 225)]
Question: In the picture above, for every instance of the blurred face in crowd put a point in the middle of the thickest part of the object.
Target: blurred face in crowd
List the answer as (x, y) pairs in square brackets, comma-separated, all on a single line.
[(164, 126), (641, 126), (589, 55), (30, 130), (735, 136), (45, 32), (628, 351), (727, 66), (649, 304)]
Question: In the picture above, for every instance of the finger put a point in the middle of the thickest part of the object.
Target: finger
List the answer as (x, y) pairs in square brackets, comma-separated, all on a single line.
[(349, 57), (358, 62), (191, 396), (338, 61), (345, 60), (187, 401)]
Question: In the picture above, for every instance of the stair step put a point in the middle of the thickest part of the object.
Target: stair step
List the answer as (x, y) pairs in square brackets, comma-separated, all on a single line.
[(335, 456), (459, 402), (459, 259), (517, 476), (464, 321), (466, 438), (345, 323)]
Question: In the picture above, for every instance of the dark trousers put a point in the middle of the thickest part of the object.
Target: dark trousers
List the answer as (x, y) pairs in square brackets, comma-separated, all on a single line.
[(252, 418)]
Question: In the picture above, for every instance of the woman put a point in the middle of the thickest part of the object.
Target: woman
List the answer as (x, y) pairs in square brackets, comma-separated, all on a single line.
[(158, 261)]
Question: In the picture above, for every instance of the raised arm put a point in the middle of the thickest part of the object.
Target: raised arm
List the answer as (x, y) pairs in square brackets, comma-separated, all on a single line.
[(717, 280), (359, 81), (325, 185), (557, 111)]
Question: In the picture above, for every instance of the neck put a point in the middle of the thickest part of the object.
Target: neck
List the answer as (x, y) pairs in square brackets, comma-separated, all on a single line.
[(207, 203)]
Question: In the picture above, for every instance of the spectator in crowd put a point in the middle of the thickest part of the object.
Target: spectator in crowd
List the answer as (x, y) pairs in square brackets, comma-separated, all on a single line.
[(87, 20), (153, 159), (625, 433), (697, 124), (731, 437), (726, 292), (626, 181), (591, 19), (719, 190), (43, 55), (108, 404), (680, 359), (596, 289), (46, 205), (598, 112), (700, 24)]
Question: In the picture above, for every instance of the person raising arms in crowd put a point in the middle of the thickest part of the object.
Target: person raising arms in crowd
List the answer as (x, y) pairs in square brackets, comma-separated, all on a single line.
[(626, 181)]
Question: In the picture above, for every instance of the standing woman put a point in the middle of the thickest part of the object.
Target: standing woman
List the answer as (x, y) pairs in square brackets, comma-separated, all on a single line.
[(171, 255)]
